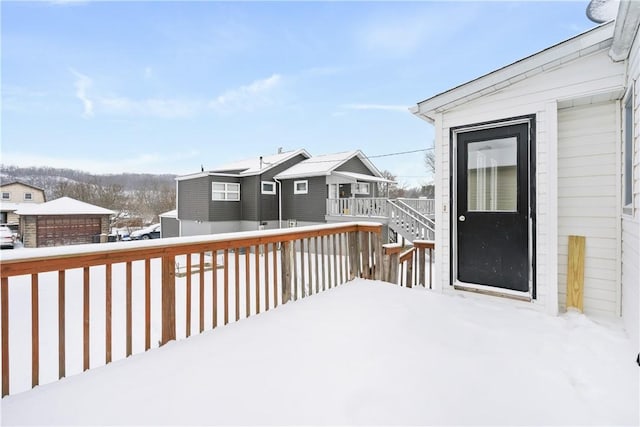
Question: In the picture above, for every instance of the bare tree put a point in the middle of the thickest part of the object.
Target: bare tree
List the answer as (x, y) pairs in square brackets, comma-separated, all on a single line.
[(430, 161)]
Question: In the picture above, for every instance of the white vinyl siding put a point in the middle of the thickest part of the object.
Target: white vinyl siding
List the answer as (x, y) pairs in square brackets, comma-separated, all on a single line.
[(229, 191), (537, 95), (631, 223), (587, 201)]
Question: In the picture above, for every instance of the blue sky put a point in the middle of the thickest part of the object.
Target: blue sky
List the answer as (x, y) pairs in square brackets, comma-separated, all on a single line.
[(164, 87)]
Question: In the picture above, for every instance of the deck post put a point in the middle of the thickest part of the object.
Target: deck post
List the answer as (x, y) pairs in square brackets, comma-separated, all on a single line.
[(365, 254), (168, 299), (286, 255), (354, 255), (390, 259)]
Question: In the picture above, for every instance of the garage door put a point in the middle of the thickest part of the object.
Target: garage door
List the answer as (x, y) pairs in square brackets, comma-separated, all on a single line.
[(66, 230)]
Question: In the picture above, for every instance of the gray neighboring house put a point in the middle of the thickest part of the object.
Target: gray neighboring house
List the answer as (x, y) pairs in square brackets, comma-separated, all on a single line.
[(273, 191), (312, 189), (239, 196)]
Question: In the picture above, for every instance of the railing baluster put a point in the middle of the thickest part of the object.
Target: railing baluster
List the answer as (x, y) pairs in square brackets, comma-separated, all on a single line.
[(275, 275), (285, 256), (257, 276), (341, 258), (226, 286), (108, 279), (247, 280), (237, 284), (309, 266), (335, 261), (295, 270), (4, 296), (86, 316), (315, 246), (303, 289), (129, 310), (201, 292), (187, 331), (324, 262), (168, 299), (147, 303), (61, 324), (35, 335), (214, 288), (266, 277)]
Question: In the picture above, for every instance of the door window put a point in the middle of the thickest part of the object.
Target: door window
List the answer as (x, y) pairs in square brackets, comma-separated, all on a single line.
[(492, 180)]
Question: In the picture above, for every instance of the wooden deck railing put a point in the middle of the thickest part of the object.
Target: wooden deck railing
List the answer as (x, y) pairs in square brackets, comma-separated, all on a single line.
[(411, 267), (360, 207), (139, 285)]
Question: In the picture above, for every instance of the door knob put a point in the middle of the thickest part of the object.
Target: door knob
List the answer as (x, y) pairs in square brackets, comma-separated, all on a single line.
[(461, 218)]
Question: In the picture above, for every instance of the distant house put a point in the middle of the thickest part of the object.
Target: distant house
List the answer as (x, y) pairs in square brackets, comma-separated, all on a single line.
[(272, 191), (169, 225), (61, 222), (533, 153), (13, 195), (310, 188)]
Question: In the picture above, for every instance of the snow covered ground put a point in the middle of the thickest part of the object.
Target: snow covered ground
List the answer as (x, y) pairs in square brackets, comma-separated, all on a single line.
[(363, 353)]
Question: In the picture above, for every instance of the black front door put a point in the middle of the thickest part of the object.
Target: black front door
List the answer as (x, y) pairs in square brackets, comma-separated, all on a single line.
[(492, 206)]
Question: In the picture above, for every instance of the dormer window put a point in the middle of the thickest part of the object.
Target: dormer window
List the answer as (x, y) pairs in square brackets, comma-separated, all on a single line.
[(28, 196), (6, 195)]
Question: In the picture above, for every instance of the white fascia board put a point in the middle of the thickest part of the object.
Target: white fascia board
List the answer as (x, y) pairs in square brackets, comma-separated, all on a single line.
[(514, 72), (203, 174), (291, 156), (626, 30), (374, 170)]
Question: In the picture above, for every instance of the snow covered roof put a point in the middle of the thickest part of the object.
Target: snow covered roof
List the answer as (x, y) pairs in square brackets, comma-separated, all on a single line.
[(4, 184), (597, 38), (259, 165), (170, 214), (324, 165), (63, 206), (10, 206)]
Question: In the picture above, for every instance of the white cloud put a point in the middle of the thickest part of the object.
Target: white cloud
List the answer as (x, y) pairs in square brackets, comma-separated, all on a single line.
[(382, 107), (249, 97), (82, 84)]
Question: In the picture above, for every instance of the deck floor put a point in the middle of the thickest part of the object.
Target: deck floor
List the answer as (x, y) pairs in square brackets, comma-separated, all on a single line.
[(364, 353)]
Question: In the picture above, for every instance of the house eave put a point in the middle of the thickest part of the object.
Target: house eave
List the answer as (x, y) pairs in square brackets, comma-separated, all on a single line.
[(626, 29), (596, 39)]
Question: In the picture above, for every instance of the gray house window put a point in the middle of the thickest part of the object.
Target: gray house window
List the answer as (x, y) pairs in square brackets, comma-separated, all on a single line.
[(627, 173), (6, 195), (300, 187), (229, 191), (362, 188), (28, 196), (268, 187)]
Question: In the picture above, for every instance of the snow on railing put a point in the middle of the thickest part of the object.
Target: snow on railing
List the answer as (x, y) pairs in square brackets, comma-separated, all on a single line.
[(87, 305), (411, 267)]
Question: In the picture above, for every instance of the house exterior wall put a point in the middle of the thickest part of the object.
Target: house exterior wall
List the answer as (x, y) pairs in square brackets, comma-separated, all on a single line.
[(588, 201), (354, 164), (250, 198), (537, 95), (169, 227), (269, 202), (18, 190), (194, 196), (310, 207), (631, 222), (224, 210)]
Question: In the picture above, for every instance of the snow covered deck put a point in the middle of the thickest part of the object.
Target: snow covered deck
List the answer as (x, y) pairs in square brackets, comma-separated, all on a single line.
[(366, 352)]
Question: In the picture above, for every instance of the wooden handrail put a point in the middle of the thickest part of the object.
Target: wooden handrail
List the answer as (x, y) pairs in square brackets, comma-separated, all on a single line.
[(352, 250)]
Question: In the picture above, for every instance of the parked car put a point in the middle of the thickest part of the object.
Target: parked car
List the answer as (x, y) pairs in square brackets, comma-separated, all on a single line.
[(6, 237), (150, 232)]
